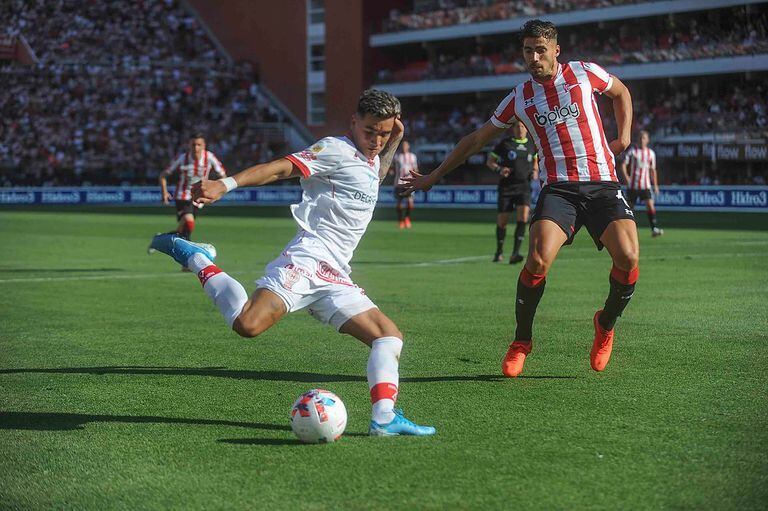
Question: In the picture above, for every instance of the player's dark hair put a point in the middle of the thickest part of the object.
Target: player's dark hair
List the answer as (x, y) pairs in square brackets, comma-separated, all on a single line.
[(539, 28), (196, 136), (378, 103)]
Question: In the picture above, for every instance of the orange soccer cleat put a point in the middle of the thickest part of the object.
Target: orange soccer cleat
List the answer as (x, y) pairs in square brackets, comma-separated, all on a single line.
[(602, 346), (407, 222), (401, 225), (512, 365)]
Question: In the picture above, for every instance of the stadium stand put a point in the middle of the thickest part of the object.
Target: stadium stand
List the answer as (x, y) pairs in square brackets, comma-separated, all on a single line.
[(698, 75), (137, 83)]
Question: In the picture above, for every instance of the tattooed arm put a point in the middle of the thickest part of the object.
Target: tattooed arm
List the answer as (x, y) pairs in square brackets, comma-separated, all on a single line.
[(387, 155)]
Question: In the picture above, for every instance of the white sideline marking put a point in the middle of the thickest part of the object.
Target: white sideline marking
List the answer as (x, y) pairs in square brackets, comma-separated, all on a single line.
[(437, 262)]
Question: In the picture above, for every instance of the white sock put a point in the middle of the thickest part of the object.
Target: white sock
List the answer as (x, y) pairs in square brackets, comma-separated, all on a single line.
[(227, 293), (384, 377)]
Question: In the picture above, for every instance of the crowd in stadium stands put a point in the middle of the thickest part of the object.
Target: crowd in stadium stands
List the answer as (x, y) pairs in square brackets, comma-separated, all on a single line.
[(443, 13), (85, 115), (694, 42), (663, 111)]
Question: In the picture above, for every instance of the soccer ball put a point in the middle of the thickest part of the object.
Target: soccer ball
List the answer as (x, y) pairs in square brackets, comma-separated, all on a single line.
[(318, 417)]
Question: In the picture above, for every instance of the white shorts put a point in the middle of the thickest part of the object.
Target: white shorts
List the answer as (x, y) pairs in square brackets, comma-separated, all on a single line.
[(305, 276)]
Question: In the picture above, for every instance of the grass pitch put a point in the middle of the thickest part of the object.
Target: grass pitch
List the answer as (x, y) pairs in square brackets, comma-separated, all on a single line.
[(121, 387)]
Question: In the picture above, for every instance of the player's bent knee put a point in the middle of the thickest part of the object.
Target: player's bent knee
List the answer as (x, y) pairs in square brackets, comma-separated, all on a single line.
[(627, 260), (249, 329), (537, 264)]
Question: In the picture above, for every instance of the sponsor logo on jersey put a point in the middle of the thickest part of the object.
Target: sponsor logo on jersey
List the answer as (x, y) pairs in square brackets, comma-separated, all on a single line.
[(307, 155), (317, 148), (512, 154), (364, 197), (558, 115)]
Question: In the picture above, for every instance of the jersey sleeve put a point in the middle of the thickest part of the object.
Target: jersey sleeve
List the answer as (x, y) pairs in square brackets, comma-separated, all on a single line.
[(217, 166), (504, 114), (321, 158), (653, 159), (173, 166), (600, 79), (415, 162)]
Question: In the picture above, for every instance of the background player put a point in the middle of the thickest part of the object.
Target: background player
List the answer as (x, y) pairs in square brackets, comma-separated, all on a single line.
[(641, 161), (514, 159), (192, 165), (579, 180), (340, 180), (405, 162)]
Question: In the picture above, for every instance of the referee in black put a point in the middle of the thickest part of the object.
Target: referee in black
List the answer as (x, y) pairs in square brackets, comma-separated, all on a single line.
[(514, 159)]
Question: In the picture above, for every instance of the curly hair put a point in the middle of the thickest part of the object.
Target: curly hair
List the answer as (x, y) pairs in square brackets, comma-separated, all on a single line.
[(539, 28), (378, 103)]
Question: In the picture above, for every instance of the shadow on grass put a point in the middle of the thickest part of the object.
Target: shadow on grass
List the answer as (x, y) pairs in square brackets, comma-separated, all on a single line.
[(53, 421), (239, 374), (62, 270)]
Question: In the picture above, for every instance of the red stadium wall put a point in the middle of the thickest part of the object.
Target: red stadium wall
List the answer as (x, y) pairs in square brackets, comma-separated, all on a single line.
[(273, 34), (344, 50)]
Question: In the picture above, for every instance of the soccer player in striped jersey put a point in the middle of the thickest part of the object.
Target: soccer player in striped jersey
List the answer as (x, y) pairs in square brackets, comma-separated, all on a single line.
[(641, 161), (579, 184), (193, 165), (405, 162), (340, 179)]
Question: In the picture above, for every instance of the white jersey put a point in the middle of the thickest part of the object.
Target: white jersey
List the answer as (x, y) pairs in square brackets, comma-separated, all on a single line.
[(404, 164), (191, 171), (341, 187)]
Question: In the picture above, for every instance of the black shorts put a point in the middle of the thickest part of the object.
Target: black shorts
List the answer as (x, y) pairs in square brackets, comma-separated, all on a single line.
[(593, 204), (185, 207), (506, 202), (638, 194)]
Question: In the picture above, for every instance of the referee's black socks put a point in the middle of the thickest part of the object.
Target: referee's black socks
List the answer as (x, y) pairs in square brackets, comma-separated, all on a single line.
[(519, 236), (622, 288), (501, 233)]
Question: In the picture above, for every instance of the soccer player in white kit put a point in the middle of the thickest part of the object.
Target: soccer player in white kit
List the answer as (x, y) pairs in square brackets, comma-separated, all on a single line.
[(579, 183), (340, 178), (405, 162)]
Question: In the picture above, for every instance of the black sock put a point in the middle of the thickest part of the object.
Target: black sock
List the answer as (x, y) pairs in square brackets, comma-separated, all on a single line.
[(526, 302), (399, 214), (618, 298), (407, 212), (519, 236), (501, 233), (652, 219)]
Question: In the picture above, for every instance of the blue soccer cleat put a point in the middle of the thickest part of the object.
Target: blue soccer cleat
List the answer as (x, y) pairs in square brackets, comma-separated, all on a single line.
[(180, 249), (400, 426)]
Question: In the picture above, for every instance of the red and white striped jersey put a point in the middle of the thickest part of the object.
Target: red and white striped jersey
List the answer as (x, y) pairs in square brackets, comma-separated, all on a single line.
[(404, 163), (640, 162), (562, 117), (191, 171)]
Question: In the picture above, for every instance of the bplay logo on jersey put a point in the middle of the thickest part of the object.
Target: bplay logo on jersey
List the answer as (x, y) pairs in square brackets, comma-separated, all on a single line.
[(557, 115)]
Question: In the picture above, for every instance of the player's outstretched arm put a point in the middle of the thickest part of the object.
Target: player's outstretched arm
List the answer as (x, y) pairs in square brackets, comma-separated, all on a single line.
[(467, 146), (622, 110), (207, 191)]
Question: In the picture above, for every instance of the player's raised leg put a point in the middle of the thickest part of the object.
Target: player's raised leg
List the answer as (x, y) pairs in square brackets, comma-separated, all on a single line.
[(379, 332), (546, 239), (246, 317), (620, 238)]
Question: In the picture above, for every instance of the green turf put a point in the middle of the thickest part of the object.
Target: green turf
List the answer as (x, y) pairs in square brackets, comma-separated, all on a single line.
[(121, 387)]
